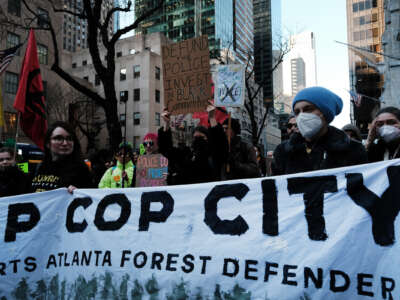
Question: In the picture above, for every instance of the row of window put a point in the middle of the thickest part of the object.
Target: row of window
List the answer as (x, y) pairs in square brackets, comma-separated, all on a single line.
[(136, 118), (136, 73), (365, 34), (124, 95), (367, 19), (362, 5), (14, 40)]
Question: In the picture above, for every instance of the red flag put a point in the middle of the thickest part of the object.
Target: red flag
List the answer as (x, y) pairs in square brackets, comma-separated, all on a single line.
[(29, 101)]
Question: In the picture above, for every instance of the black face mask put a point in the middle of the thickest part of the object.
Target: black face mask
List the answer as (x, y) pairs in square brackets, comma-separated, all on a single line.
[(200, 146)]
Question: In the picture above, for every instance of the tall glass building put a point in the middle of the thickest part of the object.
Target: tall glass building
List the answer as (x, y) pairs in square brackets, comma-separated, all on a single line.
[(184, 19), (263, 46), (365, 27)]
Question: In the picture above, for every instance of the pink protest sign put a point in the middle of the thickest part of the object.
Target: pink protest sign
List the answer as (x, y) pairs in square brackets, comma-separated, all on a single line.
[(151, 170)]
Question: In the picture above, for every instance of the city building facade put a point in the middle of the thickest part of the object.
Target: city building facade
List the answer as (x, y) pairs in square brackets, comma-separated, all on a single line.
[(263, 57), (391, 49), (228, 23), (365, 27), (74, 32), (15, 11), (138, 82), (299, 65)]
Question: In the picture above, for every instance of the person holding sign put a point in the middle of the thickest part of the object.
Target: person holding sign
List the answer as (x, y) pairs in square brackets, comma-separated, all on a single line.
[(12, 180), (201, 163), (150, 143), (317, 146), (122, 174), (151, 167), (383, 142)]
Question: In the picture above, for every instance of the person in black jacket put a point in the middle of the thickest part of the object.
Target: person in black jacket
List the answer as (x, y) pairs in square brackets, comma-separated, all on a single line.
[(197, 164), (62, 165), (240, 159), (12, 180), (383, 140), (317, 145)]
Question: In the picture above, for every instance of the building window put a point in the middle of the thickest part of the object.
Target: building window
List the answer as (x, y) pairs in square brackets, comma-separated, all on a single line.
[(375, 32), (119, 54), (73, 65), (84, 62), (158, 122), (42, 54), (122, 74), (136, 95), (136, 118), (355, 7), (136, 71), (123, 96), (158, 96), (43, 18), (96, 80), (158, 73), (12, 41), (11, 83), (86, 78), (122, 119), (14, 7)]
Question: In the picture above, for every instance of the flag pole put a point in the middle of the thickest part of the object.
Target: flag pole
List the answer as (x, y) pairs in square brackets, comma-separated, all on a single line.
[(125, 148), (16, 136), (228, 168)]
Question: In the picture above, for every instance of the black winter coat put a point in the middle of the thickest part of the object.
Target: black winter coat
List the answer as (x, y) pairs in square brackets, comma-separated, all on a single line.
[(13, 182), (62, 173), (376, 151), (186, 166), (335, 149), (242, 161)]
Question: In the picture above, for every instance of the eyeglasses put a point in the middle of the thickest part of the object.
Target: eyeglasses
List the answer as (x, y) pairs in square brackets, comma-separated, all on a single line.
[(148, 144), (60, 139), (5, 159), (290, 125), (122, 154)]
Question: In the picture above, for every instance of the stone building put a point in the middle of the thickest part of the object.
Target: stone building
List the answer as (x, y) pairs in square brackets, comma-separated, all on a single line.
[(138, 81)]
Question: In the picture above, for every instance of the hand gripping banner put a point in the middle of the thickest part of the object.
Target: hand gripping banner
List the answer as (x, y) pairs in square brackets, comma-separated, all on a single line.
[(329, 234)]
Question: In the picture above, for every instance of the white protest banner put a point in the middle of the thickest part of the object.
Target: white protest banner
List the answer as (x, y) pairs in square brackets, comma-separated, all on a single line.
[(230, 80), (320, 235)]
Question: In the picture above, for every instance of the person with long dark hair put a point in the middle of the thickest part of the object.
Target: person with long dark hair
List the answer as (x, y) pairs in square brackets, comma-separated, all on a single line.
[(63, 165)]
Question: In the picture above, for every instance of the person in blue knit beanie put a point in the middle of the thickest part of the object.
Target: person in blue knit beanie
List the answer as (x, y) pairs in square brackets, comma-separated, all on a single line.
[(317, 145)]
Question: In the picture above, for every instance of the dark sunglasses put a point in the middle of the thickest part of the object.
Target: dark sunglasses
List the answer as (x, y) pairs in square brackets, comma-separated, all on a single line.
[(290, 125), (148, 144)]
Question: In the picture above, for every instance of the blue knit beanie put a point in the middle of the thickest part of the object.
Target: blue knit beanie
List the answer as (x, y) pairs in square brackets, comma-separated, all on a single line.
[(327, 102)]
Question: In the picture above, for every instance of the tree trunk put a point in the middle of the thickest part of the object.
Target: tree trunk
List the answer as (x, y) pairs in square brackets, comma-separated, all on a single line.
[(113, 124)]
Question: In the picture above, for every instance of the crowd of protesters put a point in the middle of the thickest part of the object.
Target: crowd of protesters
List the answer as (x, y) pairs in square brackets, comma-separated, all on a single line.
[(217, 152)]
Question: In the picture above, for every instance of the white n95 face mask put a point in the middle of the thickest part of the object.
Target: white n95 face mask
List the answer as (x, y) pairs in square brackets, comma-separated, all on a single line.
[(389, 133), (309, 124)]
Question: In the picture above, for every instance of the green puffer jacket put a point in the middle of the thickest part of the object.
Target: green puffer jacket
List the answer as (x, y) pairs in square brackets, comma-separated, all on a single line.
[(112, 178)]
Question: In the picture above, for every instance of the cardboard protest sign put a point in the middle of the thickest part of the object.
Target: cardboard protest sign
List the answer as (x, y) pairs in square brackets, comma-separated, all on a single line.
[(186, 74), (330, 234), (230, 88), (151, 170)]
